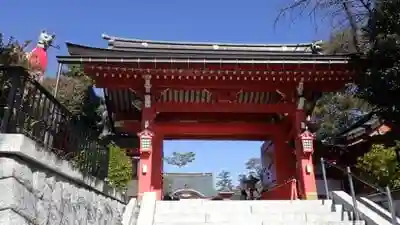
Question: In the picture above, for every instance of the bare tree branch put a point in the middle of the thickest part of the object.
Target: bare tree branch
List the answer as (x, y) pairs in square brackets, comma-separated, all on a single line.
[(343, 14)]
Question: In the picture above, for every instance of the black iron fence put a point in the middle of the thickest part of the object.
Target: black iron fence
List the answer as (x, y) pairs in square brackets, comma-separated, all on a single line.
[(26, 107), (361, 190)]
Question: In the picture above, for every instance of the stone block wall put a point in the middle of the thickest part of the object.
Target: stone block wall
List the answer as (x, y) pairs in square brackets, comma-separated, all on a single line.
[(36, 188)]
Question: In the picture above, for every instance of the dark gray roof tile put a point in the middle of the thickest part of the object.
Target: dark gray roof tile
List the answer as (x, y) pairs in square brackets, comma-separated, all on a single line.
[(201, 182)]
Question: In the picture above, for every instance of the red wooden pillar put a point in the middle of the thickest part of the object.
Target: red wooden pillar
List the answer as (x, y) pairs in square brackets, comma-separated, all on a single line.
[(305, 166), (149, 145), (285, 166), (157, 164), (145, 162)]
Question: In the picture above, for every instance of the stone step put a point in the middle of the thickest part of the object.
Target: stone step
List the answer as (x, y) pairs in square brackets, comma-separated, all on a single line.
[(231, 203), (240, 205), (203, 212), (332, 216), (277, 217), (272, 223), (243, 209)]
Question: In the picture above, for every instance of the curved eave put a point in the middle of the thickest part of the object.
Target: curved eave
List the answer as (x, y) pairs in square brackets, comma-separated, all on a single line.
[(81, 53), (127, 43)]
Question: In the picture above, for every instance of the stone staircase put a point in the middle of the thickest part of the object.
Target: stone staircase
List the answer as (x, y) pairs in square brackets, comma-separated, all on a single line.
[(275, 212)]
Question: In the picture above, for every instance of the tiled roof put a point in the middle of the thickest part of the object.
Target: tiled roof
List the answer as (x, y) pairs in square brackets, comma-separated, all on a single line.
[(201, 182)]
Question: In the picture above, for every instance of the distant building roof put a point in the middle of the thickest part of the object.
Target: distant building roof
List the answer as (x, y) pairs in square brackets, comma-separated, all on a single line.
[(368, 125), (200, 182)]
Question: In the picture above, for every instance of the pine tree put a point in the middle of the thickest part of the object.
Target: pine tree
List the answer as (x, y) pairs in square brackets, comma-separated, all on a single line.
[(224, 181)]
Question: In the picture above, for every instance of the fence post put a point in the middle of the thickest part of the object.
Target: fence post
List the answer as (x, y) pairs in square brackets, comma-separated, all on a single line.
[(392, 207), (15, 94), (324, 177), (353, 194)]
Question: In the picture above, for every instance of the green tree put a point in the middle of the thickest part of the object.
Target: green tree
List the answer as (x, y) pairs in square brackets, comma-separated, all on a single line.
[(373, 31), (380, 166), (75, 91), (335, 112), (180, 159), (12, 52), (380, 84), (242, 178), (253, 167), (119, 167), (224, 181)]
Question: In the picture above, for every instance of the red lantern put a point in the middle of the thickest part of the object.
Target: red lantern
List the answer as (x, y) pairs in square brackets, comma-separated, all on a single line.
[(145, 138), (307, 141)]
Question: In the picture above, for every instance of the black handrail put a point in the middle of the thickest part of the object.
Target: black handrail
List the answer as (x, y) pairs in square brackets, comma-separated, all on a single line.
[(26, 107), (378, 189), (350, 176)]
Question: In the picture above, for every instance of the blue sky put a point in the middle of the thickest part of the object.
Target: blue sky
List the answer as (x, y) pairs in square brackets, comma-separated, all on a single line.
[(83, 21)]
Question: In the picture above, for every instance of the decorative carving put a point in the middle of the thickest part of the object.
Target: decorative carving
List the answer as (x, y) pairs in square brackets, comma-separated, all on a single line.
[(38, 58), (45, 40), (147, 83), (147, 101), (316, 47), (300, 87), (268, 177), (300, 92), (225, 96), (136, 102), (105, 123), (187, 193)]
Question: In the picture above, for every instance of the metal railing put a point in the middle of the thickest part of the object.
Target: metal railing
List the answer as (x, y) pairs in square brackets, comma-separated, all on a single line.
[(26, 107), (352, 178), (292, 183)]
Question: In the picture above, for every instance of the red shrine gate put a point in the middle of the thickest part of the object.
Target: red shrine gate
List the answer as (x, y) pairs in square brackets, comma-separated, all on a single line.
[(181, 90)]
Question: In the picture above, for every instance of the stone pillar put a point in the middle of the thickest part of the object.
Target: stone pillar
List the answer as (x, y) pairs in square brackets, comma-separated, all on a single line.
[(305, 167)]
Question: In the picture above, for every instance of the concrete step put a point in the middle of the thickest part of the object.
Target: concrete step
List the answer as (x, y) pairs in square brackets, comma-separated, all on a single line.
[(272, 223), (301, 216), (203, 212), (245, 209), (276, 217), (241, 203)]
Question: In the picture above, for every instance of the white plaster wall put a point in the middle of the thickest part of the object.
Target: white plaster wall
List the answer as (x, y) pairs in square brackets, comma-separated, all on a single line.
[(37, 189)]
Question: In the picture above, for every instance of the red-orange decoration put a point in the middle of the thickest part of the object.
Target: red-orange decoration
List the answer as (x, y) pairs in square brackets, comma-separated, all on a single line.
[(216, 91)]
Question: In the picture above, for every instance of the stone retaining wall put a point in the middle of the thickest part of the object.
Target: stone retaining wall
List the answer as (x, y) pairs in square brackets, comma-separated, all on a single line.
[(36, 188)]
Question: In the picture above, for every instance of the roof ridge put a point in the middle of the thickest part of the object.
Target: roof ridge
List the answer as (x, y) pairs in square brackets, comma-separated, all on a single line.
[(113, 39), (189, 173)]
